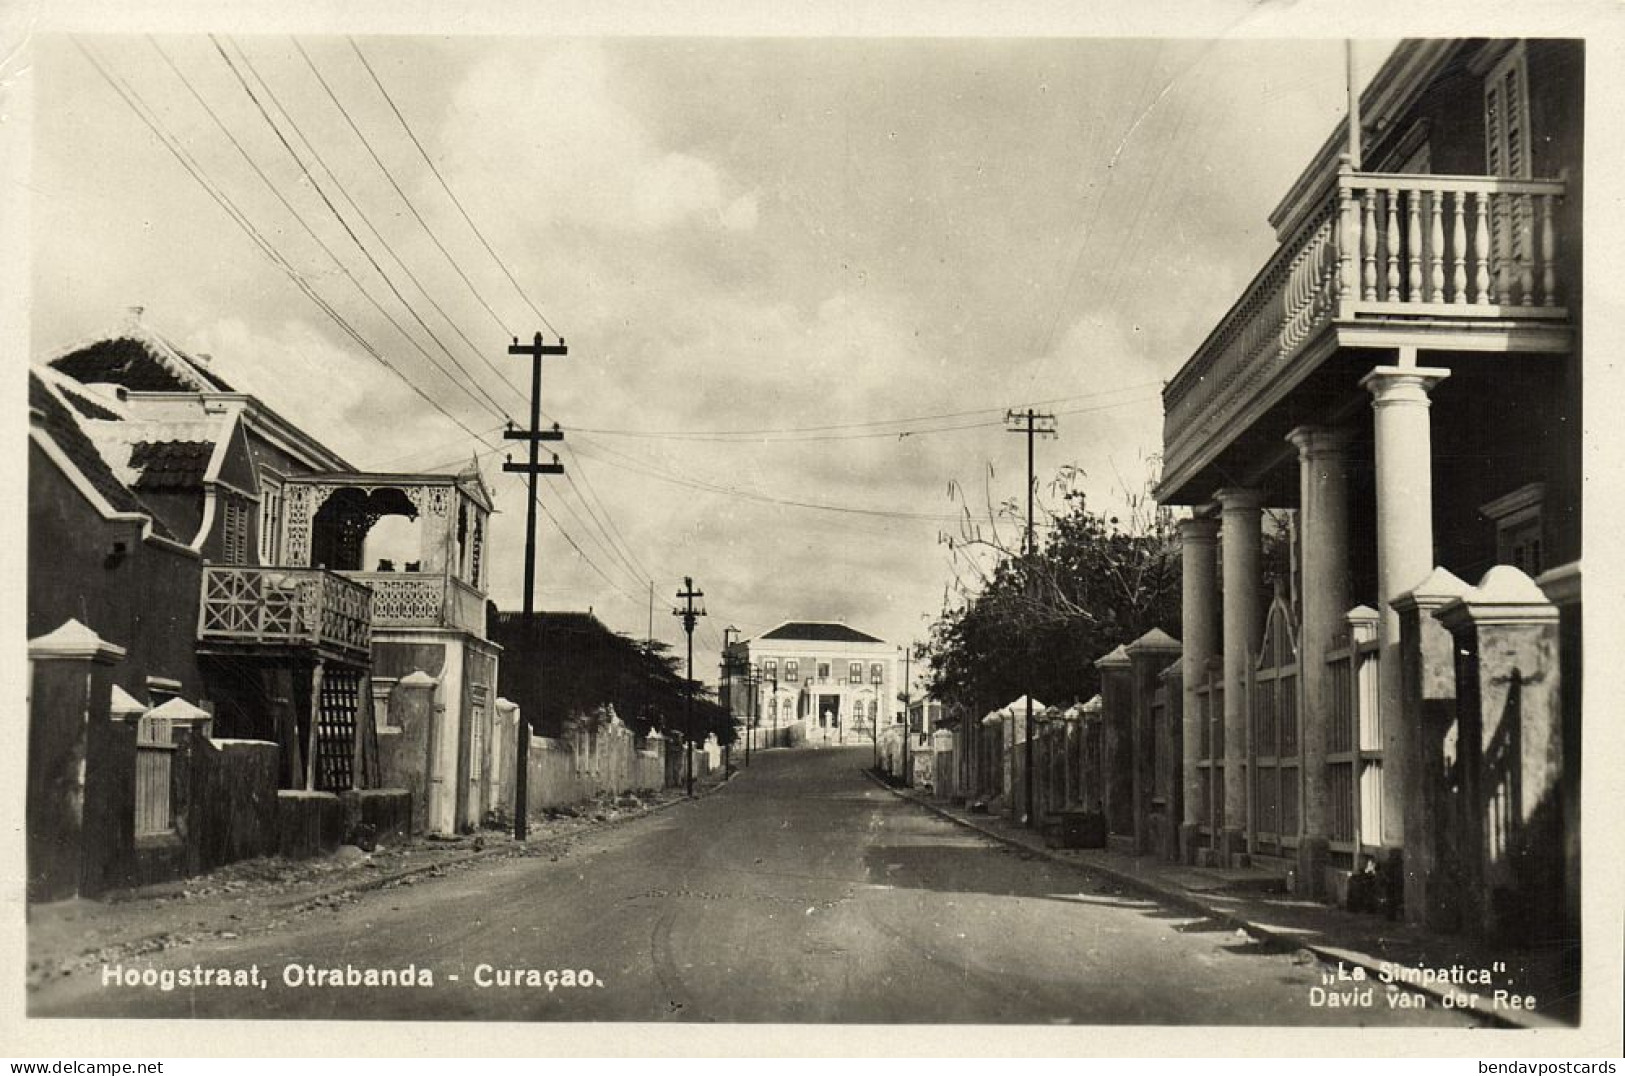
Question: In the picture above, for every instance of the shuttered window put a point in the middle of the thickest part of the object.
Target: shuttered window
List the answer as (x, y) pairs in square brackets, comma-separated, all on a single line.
[(233, 529)]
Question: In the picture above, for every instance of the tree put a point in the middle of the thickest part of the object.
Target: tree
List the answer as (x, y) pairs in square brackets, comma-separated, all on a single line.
[(1035, 622), (587, 669)]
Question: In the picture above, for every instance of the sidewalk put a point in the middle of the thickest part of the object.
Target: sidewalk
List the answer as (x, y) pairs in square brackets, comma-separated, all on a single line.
[(259, 895), (1343, 941)]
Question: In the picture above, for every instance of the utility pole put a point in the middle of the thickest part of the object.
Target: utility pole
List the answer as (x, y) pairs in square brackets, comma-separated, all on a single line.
[(534, 435), (1033, 425), (751, 686), (690, 615), (908, 653)]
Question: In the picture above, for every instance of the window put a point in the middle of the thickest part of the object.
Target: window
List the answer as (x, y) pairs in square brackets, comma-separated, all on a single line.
[(823, 672), (877, 672), (270, 520), (792, 670), (1506, 154), (233, 528), (854, 672), (770, 669), (1506, 117), (1517, 519)]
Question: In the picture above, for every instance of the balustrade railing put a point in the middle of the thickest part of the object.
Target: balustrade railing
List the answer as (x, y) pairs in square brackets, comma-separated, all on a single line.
[(283, 606), (410, 599), (1383, 246)]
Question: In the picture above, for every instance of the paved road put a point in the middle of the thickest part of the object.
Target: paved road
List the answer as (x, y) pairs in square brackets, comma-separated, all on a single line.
[(800, 892)]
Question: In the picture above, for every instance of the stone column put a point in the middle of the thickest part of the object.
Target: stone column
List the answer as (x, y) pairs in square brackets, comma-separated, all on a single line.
[(1116, 741), (1404, 460), (1199, 546), (72, 841), (1428, 685), (1148, 656), (1323, 523), (1509, 705), (1241, 550)]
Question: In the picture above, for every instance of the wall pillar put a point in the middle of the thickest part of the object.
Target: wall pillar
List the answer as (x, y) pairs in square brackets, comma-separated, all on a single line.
[(1148, 656), (1199, 557), (1509, 706), (1428, 683), (1241, 550), (71, 837), (1404, 464), (1323, 525), (1117, 741)]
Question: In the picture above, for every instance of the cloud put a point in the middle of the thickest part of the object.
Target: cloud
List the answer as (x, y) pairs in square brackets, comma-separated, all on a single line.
[(578, 155)]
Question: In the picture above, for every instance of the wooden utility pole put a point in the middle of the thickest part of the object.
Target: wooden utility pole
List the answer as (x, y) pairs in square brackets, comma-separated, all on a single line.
[(689, 615), (536, 349), (1033, 425)]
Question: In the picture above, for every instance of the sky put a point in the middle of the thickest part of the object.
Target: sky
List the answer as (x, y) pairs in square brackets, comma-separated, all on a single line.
[(800, 279)]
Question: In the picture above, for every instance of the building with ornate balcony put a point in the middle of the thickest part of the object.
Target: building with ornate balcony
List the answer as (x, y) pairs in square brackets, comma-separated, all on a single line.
[(316, 587), (1402, 381), (837, 683)]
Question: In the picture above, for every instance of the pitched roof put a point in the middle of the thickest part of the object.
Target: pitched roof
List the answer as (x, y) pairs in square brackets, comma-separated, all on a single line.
[(819, 631), (65, 431), (141, 361), (171, 464)]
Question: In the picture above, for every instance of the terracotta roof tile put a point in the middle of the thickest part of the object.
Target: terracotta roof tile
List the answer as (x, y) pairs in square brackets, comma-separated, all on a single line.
[(171, 464)]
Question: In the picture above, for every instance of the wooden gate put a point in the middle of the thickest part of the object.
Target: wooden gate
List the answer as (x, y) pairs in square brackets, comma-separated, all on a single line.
[(1273, 748)]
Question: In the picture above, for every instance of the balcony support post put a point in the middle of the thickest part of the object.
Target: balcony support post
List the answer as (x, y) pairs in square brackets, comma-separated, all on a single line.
[(1199, 546), (316, 673), (1404, 463), (1323, 520), (1241, 551)]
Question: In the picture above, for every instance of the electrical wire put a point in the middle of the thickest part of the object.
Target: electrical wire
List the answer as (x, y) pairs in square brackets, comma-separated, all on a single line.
[(376, 81), (149, 117), (321, 193), (416, 215), (365, 219)]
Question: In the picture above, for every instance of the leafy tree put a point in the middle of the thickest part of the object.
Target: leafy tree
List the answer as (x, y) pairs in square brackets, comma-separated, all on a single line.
[(584, 668), (1036, 621)]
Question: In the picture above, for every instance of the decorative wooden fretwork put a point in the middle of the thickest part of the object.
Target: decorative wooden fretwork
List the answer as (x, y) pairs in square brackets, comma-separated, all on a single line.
[(340, 702), (282, 606)]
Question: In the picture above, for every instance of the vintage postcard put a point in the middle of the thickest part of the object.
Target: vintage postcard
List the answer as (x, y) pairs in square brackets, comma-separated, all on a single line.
[(524, 526)]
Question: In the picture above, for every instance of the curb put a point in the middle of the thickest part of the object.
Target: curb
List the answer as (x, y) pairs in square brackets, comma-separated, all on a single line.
[(1279, 940)]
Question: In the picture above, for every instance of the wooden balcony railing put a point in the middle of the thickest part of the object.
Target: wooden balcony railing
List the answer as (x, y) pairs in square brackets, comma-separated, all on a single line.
[(412, 600), (1384, 246), (285, 606)]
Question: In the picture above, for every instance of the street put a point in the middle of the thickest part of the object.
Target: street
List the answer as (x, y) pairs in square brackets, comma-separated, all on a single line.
[(799, 892)]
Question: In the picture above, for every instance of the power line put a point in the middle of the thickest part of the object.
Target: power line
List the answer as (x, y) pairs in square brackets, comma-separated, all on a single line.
[(259, 106), (365, 219), (782, 433), (447, 188), (412, 208), (149, 117)]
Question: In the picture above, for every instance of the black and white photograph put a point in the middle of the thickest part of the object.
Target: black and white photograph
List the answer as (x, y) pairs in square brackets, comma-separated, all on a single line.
[(837, 527)]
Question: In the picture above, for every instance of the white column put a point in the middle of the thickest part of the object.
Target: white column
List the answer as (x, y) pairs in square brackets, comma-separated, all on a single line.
[(1199, 544), (1404, 460), (1241, 551), (1323, 523)]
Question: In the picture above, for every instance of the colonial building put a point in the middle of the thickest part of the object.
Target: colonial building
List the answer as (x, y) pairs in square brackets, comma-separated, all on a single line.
[(314, 587), (832, 680), (1403, 377)]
